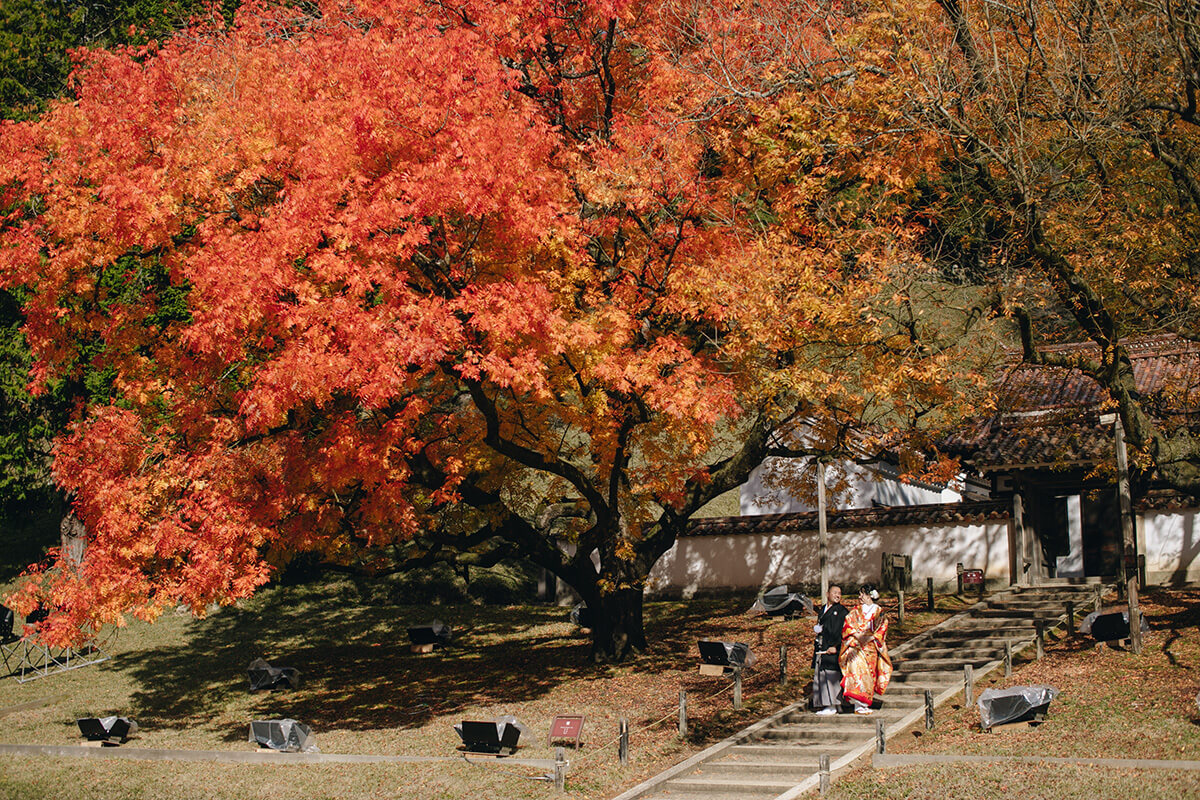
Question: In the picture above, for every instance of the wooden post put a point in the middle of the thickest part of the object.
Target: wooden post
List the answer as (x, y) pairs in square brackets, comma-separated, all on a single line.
[(1024, 561), (959, 568), (900, 609), (682, 714), (1129, 570), (1099, 598), (623, 747), (823, 767), (822, 531), (928, 709), (969, 683), (560, 769), (1008, 658), (929, 592), (1070, 618), (880, 736), (737, 690), (1039, 628), (783, 663)]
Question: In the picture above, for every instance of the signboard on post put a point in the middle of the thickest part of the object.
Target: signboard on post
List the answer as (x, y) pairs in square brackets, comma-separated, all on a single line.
[(567, 727), (896, 572), (972, 577)]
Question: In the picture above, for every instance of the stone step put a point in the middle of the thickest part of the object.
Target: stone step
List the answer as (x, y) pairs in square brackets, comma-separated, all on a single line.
[(975, 634), (1008, 626), (766, 757), (817, 733), (940, 664), (1060, 588), (967, 641), (770, 770), (920, 681), (768, 749), (889, 709), (741, 786), (905, 694), (1031, 603), (1015, 614), (962, 652)]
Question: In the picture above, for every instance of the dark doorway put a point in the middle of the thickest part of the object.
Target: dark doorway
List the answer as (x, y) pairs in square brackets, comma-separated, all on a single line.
[(1101, 521), (1051, 522)]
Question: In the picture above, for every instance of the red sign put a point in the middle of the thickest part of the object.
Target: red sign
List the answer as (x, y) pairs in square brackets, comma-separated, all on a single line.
[(972, 577), (567, 727)]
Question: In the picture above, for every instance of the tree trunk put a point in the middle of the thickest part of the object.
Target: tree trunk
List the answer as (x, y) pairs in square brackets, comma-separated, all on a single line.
[(72, 533), (617, 625)]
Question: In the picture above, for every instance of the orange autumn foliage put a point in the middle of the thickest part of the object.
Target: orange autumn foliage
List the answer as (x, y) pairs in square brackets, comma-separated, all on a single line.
[(452, 273)]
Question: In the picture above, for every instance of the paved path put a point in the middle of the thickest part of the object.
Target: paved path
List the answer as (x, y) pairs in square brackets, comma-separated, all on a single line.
[(260, 756), (777, 758)]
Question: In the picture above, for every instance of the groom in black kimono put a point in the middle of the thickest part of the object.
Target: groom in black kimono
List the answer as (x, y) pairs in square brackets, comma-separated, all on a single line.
[(827, 676)]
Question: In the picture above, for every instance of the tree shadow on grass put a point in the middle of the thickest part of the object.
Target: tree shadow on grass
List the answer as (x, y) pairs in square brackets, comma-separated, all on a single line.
[(357, 669)]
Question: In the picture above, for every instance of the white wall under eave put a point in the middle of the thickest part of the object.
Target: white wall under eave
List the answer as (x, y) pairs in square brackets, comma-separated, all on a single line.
[(1172, 546), (759, 561), (866, 486)]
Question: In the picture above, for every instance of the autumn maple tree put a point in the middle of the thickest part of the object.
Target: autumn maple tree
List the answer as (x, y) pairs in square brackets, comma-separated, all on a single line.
[(1068, 177), (406, 281)]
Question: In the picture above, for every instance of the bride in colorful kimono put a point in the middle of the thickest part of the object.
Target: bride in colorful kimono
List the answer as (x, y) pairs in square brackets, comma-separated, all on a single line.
[(866, 667)]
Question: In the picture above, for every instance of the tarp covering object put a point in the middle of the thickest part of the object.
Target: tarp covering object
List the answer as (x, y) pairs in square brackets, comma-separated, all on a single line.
[(726, 654), (433, 632), (502, 733), (1014, 704), (1110, 624), (265, 677), (105, 728), (781, 601), (284, 735)]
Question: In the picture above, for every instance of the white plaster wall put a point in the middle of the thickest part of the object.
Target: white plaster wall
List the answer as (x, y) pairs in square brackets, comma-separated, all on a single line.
[(1071, 565), (867, 486), (1172, 546), (759, 561)]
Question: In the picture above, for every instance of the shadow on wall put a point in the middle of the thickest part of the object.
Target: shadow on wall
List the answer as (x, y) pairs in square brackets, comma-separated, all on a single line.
[(1172, 547), (762, 560)]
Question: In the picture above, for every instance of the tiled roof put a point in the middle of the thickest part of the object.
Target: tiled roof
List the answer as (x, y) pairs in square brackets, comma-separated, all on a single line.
[(1166, 369), (853, 519), (1051, 415), (1165, 500)]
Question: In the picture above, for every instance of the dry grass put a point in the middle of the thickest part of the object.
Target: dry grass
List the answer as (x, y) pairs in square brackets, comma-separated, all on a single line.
[(184, 681), (1113, 704)]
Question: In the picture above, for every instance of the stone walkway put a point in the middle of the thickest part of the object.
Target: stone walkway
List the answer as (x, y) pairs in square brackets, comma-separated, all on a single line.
[(777, 758)]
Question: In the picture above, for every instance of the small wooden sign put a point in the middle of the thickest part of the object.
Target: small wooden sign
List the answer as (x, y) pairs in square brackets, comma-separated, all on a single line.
[(972, 577), (567, 727), (898, 562), (421, 648), (712, 670)]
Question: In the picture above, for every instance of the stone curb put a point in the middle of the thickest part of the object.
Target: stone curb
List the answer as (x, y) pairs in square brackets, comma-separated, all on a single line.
[(247, 757), (907, 760)]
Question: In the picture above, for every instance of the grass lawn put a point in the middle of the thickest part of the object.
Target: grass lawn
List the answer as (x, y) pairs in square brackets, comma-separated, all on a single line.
[(184, 682)]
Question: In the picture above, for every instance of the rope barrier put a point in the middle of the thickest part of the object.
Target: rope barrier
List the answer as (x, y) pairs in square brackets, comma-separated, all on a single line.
[(648, 726), (492, 765)]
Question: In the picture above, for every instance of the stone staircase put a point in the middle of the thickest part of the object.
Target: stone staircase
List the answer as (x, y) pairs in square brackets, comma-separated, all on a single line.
[(777, 758)]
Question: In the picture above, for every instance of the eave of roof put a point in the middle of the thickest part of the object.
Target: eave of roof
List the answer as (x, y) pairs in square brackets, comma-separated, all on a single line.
[(854, 518), (1049, 417)]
